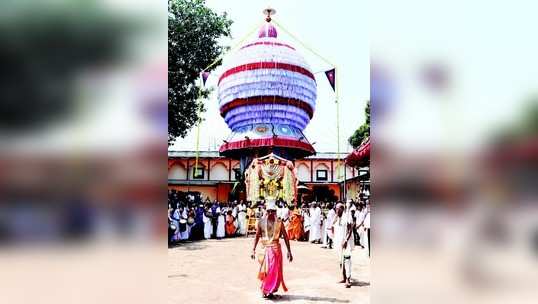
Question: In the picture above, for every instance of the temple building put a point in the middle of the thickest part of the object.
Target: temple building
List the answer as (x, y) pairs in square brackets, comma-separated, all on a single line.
[(215, 175)]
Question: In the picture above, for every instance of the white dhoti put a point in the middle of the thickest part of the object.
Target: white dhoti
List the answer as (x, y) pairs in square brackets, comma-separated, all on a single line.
[(220, 227), (315, 224), (242, 221), (315, 232), (343, 254), (208, 228), (329, 224), (324, 232), (306, 223)]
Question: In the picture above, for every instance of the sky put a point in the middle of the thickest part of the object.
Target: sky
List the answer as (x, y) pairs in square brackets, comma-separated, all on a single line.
[(488, 51), (488, 55), (327, 30)]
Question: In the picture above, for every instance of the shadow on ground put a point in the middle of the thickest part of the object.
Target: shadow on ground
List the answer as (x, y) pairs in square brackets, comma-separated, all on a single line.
[(188, 246), (360, 284), (197, 245), (177, 276), (289, 298)]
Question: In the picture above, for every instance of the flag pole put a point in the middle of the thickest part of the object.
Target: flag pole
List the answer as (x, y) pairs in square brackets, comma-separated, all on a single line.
[(336, 87), (199, 110)]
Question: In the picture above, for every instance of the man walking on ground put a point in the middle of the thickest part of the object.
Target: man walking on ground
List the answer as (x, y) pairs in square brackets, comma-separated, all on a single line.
[(328, 227), (269, 230), (342, 230)]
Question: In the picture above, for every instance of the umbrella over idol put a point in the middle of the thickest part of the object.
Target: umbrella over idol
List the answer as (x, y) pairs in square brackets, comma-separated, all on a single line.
[(267, 96)]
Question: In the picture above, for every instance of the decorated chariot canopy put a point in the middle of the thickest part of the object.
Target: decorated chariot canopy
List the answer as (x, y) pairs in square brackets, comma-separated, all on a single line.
[(267, 96), (273, 177)]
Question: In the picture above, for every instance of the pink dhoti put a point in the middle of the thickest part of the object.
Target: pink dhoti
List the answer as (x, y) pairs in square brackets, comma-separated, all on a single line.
[(271, 269)]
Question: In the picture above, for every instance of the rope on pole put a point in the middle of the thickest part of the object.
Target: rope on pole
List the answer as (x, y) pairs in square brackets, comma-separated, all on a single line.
[(199, 111), (338, 122), (336, 69), (302, 43)]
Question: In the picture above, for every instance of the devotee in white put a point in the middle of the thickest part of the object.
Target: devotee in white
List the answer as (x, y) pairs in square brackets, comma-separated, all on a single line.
[(208, 227), (306, 221), (315, 224), (365, 236), (242, 218), (328, 241), (283, 213), (343, 243), (220, 223), (235, 210)]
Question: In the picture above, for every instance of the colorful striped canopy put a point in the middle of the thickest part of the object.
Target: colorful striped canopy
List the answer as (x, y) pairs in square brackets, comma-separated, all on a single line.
[(267, 94)]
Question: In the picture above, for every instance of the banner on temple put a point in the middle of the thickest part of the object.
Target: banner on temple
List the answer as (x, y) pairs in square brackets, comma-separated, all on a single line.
[(271, 176)]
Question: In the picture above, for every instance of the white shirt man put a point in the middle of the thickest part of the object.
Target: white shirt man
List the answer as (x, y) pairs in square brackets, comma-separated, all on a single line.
[(328, 227), (343, 242), (283, 213), (242, 218), (208, 228), (220, 223), (306, 220), (315, 224), (234, 211)]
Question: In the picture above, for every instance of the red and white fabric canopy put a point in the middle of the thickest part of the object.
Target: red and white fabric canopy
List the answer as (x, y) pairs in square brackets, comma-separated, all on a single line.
[(267, 96)]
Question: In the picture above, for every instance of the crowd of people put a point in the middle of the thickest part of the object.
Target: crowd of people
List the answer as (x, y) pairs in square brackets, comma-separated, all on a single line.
[(195, 221), (315, 222), (190, 220)]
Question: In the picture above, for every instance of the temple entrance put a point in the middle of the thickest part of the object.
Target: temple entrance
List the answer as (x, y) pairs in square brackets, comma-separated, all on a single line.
[(323, 194)]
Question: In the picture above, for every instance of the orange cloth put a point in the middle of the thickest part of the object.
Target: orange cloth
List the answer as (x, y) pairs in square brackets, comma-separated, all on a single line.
[(271, 272), (295, 228), (230, 227)]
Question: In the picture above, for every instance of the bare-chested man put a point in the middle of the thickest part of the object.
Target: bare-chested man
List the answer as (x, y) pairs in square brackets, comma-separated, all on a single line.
[(270, 229)]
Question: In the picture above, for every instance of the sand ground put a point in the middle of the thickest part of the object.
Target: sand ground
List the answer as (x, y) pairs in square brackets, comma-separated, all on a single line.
[(221, 271)]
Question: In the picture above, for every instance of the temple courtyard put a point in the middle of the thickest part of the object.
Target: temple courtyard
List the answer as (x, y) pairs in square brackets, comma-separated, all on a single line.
[(221, 271)]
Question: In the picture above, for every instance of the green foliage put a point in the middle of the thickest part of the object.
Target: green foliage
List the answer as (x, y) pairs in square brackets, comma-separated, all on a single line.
[(530, 121), (363, 131), (523, 128), (193, 33)]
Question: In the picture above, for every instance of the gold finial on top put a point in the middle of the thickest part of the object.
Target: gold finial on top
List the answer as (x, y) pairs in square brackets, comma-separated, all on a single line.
[(268, 12)]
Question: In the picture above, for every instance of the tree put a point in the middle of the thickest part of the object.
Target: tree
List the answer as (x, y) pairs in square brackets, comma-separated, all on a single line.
[(193, 33), (524, 127), (363, 131)]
